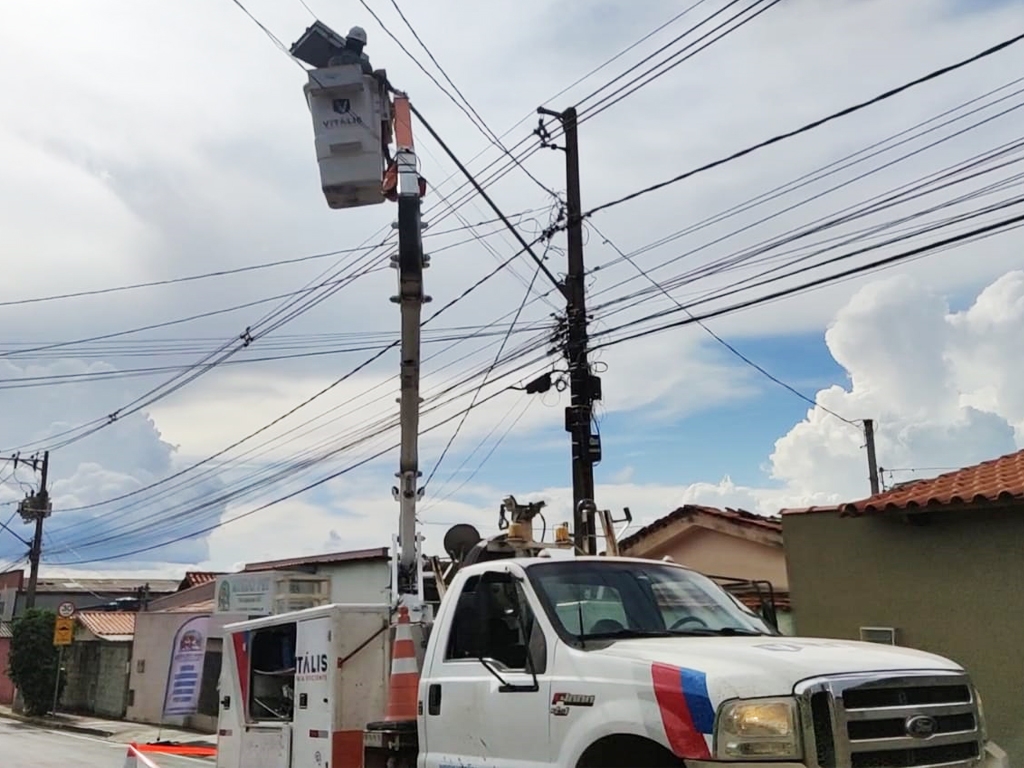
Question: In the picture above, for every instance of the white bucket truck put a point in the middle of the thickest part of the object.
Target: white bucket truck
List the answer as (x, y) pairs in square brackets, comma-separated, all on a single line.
[(590, 662), (533, 656)]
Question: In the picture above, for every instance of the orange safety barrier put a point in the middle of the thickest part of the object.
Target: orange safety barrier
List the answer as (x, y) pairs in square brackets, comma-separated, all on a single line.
[(175, 749)]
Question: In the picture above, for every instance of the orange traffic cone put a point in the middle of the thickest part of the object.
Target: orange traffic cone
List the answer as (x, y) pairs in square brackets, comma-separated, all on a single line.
[(405, 673), (135, 759)]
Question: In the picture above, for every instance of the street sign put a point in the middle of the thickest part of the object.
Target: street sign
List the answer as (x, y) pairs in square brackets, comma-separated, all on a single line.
[(64, 631), (66, 609)]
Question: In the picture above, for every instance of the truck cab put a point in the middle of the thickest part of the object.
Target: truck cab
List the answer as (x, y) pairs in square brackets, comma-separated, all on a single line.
[(599, 662)]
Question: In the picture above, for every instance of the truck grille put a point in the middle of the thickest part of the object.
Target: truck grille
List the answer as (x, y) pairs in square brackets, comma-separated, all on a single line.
[(905, 721)]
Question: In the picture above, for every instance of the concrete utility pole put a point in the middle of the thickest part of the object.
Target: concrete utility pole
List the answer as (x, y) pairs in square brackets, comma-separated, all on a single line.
[(36, 508), (584, 387), (869, 438)]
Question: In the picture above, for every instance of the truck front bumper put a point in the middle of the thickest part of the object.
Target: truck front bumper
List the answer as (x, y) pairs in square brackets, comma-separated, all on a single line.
[(994, 757)]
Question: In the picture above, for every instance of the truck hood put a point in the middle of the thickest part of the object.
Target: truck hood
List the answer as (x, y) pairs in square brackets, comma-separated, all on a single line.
[(771, 666)]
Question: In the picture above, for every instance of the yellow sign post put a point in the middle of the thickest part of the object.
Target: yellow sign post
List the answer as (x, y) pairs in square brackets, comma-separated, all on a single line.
[(63, 632)]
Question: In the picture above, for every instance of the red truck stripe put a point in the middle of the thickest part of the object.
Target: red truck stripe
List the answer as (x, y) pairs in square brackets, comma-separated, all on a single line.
[(683, 736)]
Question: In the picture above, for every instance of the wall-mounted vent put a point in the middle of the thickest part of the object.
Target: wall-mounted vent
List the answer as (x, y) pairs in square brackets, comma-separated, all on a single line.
[(881, 635)]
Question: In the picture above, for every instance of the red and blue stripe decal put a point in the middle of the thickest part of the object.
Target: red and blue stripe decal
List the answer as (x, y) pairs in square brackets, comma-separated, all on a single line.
[(686, 711), (240, 640)]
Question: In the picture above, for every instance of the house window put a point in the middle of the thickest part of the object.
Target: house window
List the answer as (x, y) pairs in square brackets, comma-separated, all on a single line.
[(881, 635), (140, 666)]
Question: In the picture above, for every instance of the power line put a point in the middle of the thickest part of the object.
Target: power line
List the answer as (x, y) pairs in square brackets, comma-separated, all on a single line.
[(753, 282), (158, 326), (810, 178), (497, 443), (487, 373), (482, 126), (251, 267), (944, 178), (809, 126), (280, 499), (480, 190), (988, 229), (290, 468), (380, 352), (722, 341), (667, 64)]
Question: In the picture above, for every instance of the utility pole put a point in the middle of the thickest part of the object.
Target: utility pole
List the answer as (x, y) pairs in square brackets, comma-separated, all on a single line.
[(869, 438), (584, 386), (409, 263), (36, 508)]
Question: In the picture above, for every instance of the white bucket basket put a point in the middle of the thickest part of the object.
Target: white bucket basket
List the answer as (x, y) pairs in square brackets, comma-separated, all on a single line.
[(348, 110)]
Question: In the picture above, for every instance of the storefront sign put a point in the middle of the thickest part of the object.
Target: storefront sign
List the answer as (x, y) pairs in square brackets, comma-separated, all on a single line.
[(248, 593)]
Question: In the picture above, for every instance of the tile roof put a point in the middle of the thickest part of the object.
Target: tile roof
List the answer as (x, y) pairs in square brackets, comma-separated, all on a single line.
[(328, 559), (203, 606), (753, 601), (108, 625), (197, 578), (990, 482), (105, 587), (689, 512)]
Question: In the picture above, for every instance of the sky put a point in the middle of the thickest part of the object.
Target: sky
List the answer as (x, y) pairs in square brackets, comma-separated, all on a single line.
[(237, 416)]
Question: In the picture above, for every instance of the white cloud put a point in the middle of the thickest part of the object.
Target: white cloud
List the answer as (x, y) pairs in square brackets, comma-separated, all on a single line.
[(940, 384)]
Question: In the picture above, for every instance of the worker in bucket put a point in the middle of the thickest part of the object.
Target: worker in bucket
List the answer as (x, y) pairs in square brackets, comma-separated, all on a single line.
[(352, 52)]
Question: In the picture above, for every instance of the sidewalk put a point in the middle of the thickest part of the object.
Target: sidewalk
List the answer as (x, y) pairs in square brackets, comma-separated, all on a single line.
[(117, 731)]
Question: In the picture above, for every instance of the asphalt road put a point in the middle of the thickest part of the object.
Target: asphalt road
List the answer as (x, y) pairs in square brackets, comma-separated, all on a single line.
[(25, 746)]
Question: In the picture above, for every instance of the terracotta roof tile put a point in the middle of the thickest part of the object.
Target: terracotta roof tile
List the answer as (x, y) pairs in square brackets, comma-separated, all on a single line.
[(330, 558), (997, 480), (203, 606), (753, 601), (690, 511), (108, 624), (197, 578)]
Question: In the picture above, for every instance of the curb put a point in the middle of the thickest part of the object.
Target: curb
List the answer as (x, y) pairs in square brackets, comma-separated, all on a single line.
[(41, 722)]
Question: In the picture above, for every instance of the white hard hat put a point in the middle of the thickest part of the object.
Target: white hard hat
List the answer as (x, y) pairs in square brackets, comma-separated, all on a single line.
[(358, 33)]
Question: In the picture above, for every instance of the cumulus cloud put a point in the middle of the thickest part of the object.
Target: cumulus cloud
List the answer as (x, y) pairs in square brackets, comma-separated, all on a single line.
[(941, 385)]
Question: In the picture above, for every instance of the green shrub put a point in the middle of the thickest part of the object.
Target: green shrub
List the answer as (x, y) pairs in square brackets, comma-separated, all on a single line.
[(33, 659)]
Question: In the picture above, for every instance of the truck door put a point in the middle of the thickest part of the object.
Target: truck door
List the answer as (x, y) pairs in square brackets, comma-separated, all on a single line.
[(311, 743), (487, 686), (231, 712)]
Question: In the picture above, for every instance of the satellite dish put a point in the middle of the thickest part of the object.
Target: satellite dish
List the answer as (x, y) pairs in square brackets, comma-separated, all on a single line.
[(460, 539)]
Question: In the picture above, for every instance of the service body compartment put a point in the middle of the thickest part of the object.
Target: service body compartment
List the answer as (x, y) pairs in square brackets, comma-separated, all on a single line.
[(312, 678)]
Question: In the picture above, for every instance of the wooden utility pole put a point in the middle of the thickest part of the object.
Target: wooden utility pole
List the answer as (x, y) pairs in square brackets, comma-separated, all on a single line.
[(869, 438), (36, 508), (584, 386)]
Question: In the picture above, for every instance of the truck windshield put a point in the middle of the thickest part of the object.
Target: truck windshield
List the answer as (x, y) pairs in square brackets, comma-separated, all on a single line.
[(594, 599)]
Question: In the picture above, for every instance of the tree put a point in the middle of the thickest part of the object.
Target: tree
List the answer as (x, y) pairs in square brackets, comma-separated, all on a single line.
[(33, 659)]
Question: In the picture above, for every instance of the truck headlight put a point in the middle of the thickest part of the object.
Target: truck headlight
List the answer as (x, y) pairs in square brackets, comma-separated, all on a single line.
[(758, 729)]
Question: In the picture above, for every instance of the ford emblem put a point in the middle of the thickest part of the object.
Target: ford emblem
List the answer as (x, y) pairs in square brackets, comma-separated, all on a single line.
[(921, 726)]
